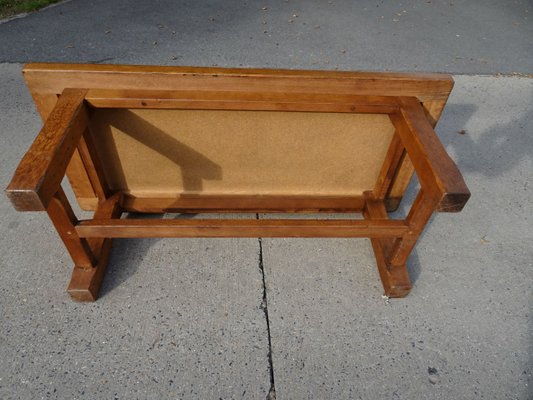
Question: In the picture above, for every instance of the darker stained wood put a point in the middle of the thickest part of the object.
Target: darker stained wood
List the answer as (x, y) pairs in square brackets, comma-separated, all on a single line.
[(393, 159), (46, 80), (85, 283), (43, 167), (236, 100), (395, 280), (64, 220), (419, 215), (135, 228), (49, 77), (239, 203), (433, 109), (436, 171), (94, 167), (66, 137)]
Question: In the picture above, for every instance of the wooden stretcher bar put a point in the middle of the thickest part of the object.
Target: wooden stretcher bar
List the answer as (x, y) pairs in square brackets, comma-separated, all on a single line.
[(412, 102)]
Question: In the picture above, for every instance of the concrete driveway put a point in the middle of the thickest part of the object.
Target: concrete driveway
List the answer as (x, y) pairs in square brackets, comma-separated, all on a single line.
[(285, 318)]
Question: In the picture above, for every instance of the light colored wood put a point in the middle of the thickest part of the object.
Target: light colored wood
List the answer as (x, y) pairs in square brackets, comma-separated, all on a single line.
[(42, 168), (146, 228)]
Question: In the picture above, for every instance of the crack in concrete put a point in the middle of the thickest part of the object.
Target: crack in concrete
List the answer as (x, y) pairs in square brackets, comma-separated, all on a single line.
[(264, 306)]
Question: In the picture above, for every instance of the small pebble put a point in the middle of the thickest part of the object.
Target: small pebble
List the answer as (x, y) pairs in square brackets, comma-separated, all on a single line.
[(433, 375)]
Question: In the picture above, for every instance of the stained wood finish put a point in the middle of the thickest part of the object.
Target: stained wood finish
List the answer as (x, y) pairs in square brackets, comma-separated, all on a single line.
[(93, 166), (438, 174), (394, 158), (42, 168), (80, 181), (412, 101), (85, 283), (44, 77), (64, 220), (404, 173), (237, 203), (395, 279), (134, 228), (48, 80), (418, 217), (45, 103), (209, 100)]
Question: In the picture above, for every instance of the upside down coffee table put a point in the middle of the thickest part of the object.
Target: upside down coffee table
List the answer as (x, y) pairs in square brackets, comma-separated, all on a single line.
[(152, 139)]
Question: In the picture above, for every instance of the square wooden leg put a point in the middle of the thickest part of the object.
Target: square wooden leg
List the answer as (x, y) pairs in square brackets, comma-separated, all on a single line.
[(395, 279), (90, 256), (85, 282)]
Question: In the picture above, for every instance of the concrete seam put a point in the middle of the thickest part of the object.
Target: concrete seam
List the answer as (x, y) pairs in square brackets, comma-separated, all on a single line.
[(264, 306)]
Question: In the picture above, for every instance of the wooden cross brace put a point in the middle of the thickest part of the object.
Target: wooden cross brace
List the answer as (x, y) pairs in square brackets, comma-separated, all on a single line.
[(36, 184)]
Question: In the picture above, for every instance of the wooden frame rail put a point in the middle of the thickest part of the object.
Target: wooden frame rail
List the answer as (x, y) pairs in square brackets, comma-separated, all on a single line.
[(130, 228), (36, 184)]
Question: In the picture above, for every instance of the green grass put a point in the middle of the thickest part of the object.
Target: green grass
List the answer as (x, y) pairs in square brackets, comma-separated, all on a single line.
[(12, 7)]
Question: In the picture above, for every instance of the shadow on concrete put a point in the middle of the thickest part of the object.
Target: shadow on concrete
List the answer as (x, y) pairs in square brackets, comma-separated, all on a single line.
[(496, 150), (127, 255)]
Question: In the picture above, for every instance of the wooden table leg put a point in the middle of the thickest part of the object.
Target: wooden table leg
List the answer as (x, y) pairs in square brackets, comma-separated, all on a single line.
[(418, 217), (85, 282), (64, 220), (395, 279), (90, 256)]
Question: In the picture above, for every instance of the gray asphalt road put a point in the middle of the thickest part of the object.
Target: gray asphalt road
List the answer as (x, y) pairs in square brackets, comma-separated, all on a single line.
[(185, 319), (430, 35)]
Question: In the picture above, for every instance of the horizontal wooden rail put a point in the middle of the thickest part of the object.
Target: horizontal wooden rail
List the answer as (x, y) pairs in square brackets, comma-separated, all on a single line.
[(197, 203), (48, 77), (238, 100), (175, 228)]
